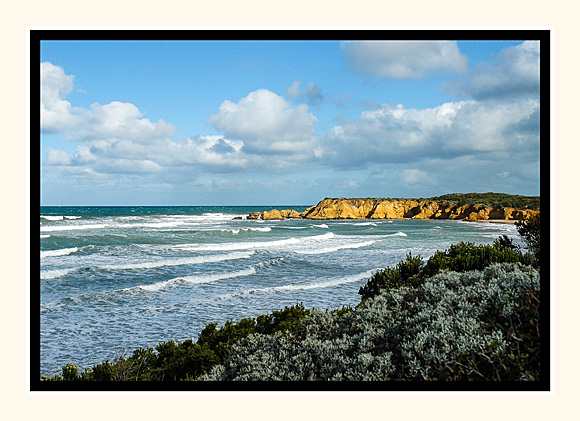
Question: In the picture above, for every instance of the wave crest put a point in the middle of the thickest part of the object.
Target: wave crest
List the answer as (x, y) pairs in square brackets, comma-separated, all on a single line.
[(57, 253)]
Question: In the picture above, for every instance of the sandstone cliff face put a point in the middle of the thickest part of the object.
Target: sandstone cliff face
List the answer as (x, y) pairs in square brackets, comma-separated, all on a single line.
[(398, 209), (282, 214)]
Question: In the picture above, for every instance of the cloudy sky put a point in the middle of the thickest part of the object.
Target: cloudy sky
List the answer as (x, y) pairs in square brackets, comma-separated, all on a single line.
[(285, 122)]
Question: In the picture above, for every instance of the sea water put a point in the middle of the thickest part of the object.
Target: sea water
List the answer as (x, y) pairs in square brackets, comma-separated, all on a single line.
[(113, 279)]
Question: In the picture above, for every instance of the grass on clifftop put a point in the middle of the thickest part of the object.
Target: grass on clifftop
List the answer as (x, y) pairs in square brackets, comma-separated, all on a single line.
[(504, 200), (492, 199)]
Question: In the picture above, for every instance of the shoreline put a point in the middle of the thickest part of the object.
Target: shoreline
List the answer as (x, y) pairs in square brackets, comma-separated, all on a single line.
[(498, 221)]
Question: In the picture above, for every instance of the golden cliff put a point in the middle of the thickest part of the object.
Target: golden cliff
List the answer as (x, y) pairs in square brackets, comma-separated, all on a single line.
[(398, 209)]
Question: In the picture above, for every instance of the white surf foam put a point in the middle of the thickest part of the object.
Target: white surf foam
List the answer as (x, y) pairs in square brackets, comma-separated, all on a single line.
[(318, 284), (233, 231), (163, 224), (237, 230), (72, 217), (319, 226), (210, 218), (398, 234), (336, 248), (194, 279), (53, 217), (253, 245), (53, 274), (180, 261), (44, 236), (72, 227), (258, 229), (57, 253), (360, 224)]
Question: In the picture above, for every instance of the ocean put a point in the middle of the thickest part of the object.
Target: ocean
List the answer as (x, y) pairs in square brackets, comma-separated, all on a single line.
[(113, 279)]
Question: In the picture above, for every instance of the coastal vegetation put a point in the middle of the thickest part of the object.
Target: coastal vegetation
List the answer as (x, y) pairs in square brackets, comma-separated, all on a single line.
[(461, 257), (491, 199), (468, 313)]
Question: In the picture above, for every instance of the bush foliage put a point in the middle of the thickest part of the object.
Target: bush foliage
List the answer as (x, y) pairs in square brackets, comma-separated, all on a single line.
[(529, 230), (460, 257), (478, 325), (491, 199)]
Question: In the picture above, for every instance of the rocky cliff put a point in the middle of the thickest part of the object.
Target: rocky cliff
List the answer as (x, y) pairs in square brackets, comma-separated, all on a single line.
[(398, 209)]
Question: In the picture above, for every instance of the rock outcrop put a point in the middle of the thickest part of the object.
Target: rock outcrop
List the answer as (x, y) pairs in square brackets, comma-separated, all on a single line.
[(254, 215), (342, 208), (280, 214)]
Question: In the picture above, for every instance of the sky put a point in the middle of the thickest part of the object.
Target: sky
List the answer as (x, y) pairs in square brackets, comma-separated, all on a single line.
[(176, 123)]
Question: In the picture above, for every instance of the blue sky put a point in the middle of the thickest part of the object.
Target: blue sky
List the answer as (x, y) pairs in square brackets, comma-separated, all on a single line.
[(285, 122)]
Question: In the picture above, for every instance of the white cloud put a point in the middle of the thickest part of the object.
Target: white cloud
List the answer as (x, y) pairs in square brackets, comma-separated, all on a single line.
[(57, 157), (266, 123), (395, 134), (414, 177), (55, 112), (115, 121), (211, 152), (116, 138), (403, 59), (515, 72), (121, 121)]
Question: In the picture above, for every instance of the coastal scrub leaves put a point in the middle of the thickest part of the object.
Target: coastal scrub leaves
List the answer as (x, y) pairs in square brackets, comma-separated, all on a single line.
[(478, 325), (529, 230), (460, 257), (405, 273)]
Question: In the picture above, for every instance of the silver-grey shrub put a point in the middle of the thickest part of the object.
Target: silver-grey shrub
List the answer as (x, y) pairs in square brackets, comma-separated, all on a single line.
[(433, 331)]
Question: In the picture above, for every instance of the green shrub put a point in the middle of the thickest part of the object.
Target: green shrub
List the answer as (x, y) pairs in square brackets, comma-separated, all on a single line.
[(281, 320), (460, 257), (491, 199), (529, 230), (221, 340), (473, 326), (405, 273)]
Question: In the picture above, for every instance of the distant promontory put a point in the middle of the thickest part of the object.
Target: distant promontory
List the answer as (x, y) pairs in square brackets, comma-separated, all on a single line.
[(471, 207)]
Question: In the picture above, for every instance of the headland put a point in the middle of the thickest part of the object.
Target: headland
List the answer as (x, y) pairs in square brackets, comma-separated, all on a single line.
[(384, 208)]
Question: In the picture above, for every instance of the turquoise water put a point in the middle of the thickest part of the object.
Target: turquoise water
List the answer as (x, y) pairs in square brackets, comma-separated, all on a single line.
[(113, 279)]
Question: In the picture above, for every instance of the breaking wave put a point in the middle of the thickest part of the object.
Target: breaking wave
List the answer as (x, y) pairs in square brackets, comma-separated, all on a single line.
[(253, 245), (317, 284), (179, 261), (57, 253), (193, 279)]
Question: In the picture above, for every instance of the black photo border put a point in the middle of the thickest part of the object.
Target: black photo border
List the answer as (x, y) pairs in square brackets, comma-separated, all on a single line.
[(37, 36)]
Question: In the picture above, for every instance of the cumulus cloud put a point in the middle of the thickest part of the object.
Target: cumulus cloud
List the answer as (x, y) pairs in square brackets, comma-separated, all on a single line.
[(117, 138), (114, 125), (403, 59), (266, 123), (513, 74), (55, 111), (57, 157), (119, 120), (395, 134)]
